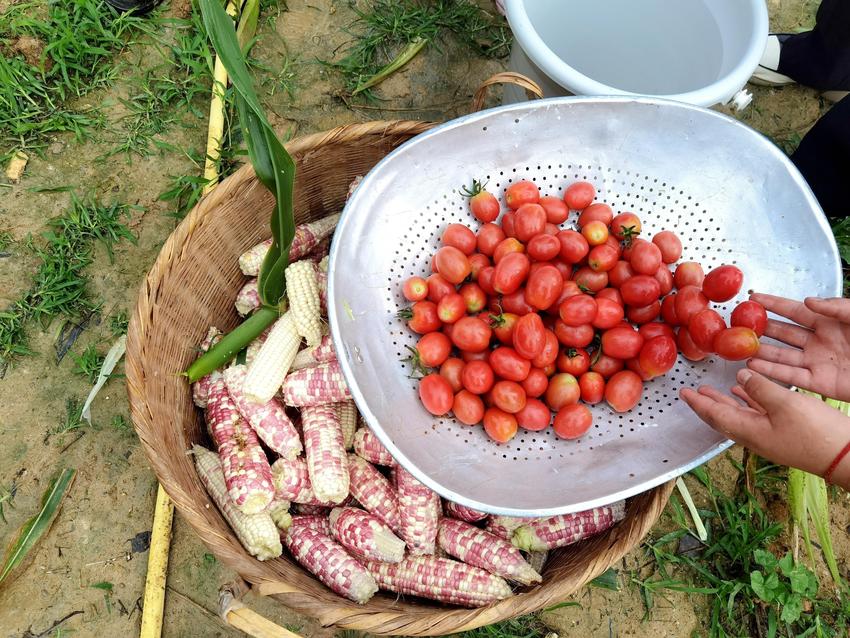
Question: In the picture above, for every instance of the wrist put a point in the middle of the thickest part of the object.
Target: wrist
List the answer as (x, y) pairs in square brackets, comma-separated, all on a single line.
[(838, 472)]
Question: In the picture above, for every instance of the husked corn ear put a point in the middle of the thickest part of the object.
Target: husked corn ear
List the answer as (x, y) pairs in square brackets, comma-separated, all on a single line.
[(247, 473), (314, 355), (201, 387), (542, 534), (367, 446), (305, 509), (268, 419), (504, 526), (292, 482), (307, 237), (278, 509), (256, 532), (322, 283), (463, 513), (248, 298), (364, 535), (317, 522), (255, 345), (320, 251), (373, 491), (319, 385), (419, 511), (272, 362), (476, 547), (251, 260), (330, 563), (440, 579), (327, 462), (302, 292), (347, 414)]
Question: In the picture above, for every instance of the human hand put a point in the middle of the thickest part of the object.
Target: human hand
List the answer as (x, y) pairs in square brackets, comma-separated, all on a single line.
[(786, 427), (817, 356)]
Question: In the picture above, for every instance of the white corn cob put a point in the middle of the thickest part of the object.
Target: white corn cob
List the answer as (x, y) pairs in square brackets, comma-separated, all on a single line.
[(319, 385), (330, 563), (463, 513), (557, 531), (302, 292), (247, 473), (419, 511), (537, 560), (307, 237), (248, 298), (314, 355), (251, 260), (476, 547), (292, 482), (324, 264), (373, 491), (347, 414), (318, 522), (327, 462), (256, 532), (367, 446), (365, 536), (201, 387), (440, 579), (504, 526), (272, 362), (268, 419), (255, 345), (322, 283), (278, 509)]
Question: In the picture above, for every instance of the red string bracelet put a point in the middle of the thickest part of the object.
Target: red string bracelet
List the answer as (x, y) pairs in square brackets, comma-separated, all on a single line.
[(840, 457)]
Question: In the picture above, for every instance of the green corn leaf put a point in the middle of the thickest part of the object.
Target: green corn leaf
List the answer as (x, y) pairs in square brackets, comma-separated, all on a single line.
[(247, 25), (35, 528), (607, 580)]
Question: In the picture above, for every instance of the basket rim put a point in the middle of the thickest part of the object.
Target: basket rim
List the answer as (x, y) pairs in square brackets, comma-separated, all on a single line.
[(617, 541)]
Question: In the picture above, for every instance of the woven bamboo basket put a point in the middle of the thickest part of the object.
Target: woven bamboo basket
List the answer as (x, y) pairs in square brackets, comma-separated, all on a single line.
[(192, 286)]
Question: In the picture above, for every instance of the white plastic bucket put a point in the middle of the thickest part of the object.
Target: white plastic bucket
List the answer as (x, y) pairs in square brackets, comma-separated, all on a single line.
[(697, 51)]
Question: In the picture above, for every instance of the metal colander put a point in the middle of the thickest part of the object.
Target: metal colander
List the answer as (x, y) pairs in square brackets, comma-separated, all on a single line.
[(731, 196)]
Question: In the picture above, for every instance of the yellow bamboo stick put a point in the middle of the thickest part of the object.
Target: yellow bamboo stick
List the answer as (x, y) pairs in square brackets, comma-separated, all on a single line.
[(152, 611)]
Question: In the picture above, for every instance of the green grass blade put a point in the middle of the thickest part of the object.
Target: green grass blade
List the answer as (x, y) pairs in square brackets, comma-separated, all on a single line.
[(247, 24), (35, 528), (702, 533), (397, 63), (797, 505)]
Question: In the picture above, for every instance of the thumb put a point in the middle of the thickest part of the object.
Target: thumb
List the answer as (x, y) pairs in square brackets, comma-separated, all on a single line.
[(836, 308), (766, 393)]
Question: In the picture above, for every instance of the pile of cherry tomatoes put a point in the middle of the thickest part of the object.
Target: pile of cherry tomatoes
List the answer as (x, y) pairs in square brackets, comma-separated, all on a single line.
[(523, 319)]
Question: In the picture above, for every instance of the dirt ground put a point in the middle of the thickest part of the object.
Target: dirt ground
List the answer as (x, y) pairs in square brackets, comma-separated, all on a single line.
[(100, 535)]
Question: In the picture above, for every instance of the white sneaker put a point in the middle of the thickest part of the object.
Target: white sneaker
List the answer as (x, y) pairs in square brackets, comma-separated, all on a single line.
[(766, 73)]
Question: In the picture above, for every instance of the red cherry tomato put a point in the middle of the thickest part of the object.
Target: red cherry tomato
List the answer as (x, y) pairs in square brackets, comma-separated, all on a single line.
[(592, 386), (630, 247), (634, 366), (509, 396), (572, 421), (689, 301), (474, 297), (606, 366), (646, 258), (670, 245), (549, 353), (578, 310), (590, 280), (415, 289), (595, 233), (564, 268), (468, 408), (543, 247), (574, 361), (461, 237), (433, 349), (452, 264), (668, 310), (485, 280), (516, 303), (511, 272), (664, 278), (436, 394), (556, 210), (499, 425), (471, 334), (507, 363), (623, 391), (452, 369), (551, 229), (574, 246), (609, 313), (530, 221), (750, 314), (736, 344), (596, 213), (612, 294), (602, 258), (622, 342), (477, 377), (422, 317), (536, 382), (563, 390), (529, 336), (522, 192), (570, 289), (620, 273), (579, 195), (543, 286), (507, 247), (656, 329), (640, 290), (489, 236), (451, 307), (474, 356), (722, 283), (484, 206), (509, 224), (574, 336), (687, 346), (704, 326), (658, 355), (477, 263), (688, 273), (644, 314), (625, 226), (503, 326), (438, 287), (535, 416)]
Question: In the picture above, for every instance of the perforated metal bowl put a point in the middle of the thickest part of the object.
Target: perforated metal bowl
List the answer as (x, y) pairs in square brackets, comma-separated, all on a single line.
[(729, 193)]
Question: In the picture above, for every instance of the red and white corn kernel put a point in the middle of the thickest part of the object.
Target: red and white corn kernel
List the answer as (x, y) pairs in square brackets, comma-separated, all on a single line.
[(327, 461), (314, 355), (504, 526), (367, 446), (317, 522), (347, 414), (319, 385), (201, 387), (419, 511), (464, 513), (558, 531), (292, 482), (307, 237), (248, 298), (373, 491), (365, 535)]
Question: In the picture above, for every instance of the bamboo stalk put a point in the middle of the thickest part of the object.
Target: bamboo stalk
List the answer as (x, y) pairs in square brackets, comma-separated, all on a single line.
[(152, 611)]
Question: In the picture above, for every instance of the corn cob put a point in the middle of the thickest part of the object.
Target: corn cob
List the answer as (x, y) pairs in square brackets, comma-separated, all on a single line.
[(292, 482), (327, 462), (256, 532), (504, 526), (307, 237), (315, 386), (537, 560), (251, 260), (347, 414), (364, 535), (353, 186), (463, 513), (373, 491), (419, 511), (201, 387), (440, 579), (278, 509), (476, 547), (557, 531), (307, 509), (322, 283), (330, 563), (320, 251), (255, 345), (324, 264), (302, 291), (314, 355), (317, 522), (367, 446), (272, 362), (247, 473), (248, 298)]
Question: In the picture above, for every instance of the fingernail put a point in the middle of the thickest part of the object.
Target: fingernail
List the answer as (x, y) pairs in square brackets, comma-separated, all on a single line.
[(744, 376)]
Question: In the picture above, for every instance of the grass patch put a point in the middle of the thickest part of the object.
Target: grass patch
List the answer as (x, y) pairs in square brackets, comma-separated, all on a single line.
[(73, 418), (88, 363), (523, 627), (118, 324)]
